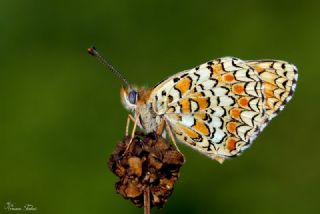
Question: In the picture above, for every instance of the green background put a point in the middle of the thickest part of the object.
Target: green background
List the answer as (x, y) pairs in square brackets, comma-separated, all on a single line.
[(60, 114)]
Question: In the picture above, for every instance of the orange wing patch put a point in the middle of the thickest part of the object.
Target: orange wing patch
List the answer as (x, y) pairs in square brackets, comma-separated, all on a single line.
[(231, 144), (217, 69), (185, 106), (192, 134), (203, 102), (228, 77), (238, 88), (243, 101), (196, 94), (235, 113), (202, 128), (183, 85), (268, 89), (201, 116), (231, 127), (258, 68)]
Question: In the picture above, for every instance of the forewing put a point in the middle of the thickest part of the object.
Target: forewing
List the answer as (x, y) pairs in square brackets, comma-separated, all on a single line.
[(217, 107), (279, 82)]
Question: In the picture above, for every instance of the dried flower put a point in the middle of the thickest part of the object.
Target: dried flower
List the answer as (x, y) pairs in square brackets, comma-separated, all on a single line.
[(150, 163)]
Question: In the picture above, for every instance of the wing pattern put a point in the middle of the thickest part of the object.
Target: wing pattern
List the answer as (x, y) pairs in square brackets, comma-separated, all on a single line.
[(279, 81), (219, 107)]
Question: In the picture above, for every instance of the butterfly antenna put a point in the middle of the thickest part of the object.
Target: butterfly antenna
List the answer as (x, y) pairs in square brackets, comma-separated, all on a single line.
[(93, 51)]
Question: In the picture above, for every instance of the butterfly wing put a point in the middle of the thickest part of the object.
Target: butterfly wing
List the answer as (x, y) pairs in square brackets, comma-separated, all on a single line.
[(279, 82), (216, 108)]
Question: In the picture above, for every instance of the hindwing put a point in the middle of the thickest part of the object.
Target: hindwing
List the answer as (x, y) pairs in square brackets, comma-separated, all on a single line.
[(217, 107)]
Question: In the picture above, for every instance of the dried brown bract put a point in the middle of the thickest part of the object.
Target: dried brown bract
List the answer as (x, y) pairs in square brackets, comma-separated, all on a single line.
[(150, 162)]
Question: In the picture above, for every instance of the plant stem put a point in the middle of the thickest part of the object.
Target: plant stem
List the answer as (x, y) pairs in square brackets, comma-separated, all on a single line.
[(146, 200)]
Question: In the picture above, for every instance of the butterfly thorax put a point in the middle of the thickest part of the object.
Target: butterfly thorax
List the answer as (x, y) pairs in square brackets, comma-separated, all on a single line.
[(148, 119)]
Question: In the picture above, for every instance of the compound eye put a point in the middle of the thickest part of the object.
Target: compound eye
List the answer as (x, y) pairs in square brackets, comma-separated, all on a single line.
[(132, 97)]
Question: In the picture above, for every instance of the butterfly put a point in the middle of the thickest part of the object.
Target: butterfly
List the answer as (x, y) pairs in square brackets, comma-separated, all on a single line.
[(217, 108)]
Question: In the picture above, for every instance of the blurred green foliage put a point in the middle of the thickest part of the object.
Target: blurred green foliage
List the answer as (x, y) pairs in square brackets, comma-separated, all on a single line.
[(60, 115)]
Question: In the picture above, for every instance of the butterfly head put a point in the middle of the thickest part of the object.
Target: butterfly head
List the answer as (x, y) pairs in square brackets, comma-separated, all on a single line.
[(129, 97)]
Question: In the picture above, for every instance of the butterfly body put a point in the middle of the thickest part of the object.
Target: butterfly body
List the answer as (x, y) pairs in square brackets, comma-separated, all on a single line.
[(217, 108)]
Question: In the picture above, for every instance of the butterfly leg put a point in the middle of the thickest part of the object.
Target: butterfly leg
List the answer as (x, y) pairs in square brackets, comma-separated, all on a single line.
[(133, 131), (161, 127), (130, 118), (171, 135), (134, 127)]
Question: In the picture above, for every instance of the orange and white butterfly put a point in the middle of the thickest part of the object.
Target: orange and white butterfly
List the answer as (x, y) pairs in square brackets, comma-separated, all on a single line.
[(217, 108)]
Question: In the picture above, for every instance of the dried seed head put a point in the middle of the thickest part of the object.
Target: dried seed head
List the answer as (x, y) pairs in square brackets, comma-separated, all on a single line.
[(151, 161)]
